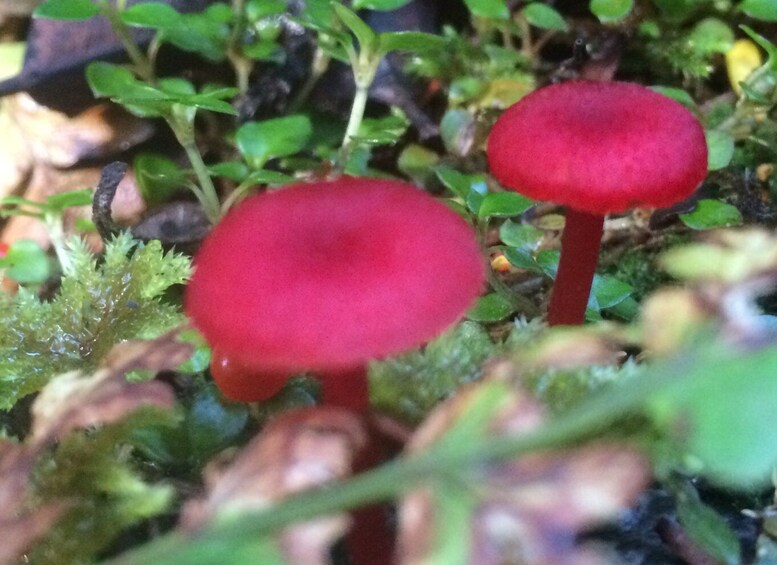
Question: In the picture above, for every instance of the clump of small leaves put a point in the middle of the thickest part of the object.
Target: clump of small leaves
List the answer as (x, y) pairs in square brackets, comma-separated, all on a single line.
[(97, 306)]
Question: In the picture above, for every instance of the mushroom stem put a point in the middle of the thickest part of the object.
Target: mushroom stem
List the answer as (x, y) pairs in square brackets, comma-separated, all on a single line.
[(346, 388), (579, 253)]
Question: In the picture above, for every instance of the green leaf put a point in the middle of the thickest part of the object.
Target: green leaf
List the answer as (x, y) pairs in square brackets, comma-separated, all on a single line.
[(710, 214), (415, 41), (522, 258), (152, 14), (379, 4), (232, 170), (491, 308), (711, 35), (26, 263), (368, 40), (263, 176), (259, 142), (417, 161), (677, 10), (611, 10), (58, 203), (503, 204), (524, 236), (206, 102), (206, 33), (720, 148), (265, 51), (544, 17), (208, 427), (494, 9), (108, 80), (722, 412), (175, 87), (158, 177), (462, 185), (610, 291), (382, 131), (765, 10), (66, 10), (706, 527)]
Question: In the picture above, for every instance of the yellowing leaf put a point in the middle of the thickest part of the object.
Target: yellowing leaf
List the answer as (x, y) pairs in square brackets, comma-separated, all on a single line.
[(741, 60)]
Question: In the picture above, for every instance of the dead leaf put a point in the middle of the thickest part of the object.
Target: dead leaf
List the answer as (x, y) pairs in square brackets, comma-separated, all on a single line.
[(669, 318), (40, 146), (55, 139), (527, 510), (299, 450), (161, 354), (17, 7), (569, 348), (72, 401), (20, 526)]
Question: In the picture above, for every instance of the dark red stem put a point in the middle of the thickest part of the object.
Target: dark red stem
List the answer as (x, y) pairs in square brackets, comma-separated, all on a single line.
[(346, 388), (370, 540), (580, 245)]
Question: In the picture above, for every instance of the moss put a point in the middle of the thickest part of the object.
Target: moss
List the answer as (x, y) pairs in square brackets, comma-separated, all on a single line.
[(97, 306)]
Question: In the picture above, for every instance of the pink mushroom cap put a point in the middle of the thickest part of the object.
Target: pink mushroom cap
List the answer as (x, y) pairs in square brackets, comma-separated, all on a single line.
[(599, 147), (328, 275)]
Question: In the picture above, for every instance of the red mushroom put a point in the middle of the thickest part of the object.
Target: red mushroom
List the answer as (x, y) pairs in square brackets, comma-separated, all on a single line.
[(598, 148), (326, 276)]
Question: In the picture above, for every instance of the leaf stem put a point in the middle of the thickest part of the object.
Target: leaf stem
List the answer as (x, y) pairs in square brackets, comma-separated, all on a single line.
[(57, 236), (365, 66), (140, 62), (207, 196), (240, 63), (182, 125)]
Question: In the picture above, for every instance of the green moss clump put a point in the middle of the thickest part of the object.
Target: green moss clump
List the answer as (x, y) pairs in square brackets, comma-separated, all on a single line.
[(96, 474), (412, 384), (97, 306)]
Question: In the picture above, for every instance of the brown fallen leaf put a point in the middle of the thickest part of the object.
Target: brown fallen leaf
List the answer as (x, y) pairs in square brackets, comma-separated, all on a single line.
[(41, 148), (571, 348), (58, 140), (72, 401), (527, 510), (19, 526), (299, 450)]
